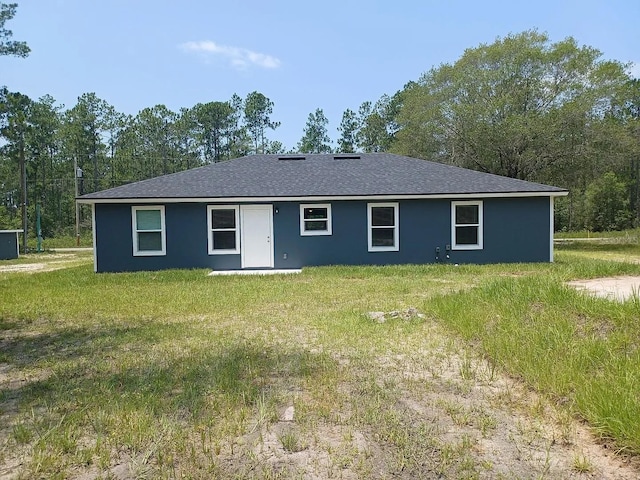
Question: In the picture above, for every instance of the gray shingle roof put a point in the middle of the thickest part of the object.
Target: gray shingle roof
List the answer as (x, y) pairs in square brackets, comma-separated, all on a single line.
[(320, 175)]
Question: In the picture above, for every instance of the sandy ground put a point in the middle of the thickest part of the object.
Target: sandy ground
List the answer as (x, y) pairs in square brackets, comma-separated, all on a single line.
[(53, 262), (467, 420), (614, 288), (456, 416)]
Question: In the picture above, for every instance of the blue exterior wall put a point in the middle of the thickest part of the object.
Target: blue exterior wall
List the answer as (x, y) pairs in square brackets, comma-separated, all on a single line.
[(8, 245), (515, 230), (186, 237)]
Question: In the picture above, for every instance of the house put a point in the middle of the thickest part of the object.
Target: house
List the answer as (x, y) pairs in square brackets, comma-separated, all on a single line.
[(291, 211)]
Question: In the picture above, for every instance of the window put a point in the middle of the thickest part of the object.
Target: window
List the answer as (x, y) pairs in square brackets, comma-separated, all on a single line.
[(315, 219), (466, 225), (382, 221), (149, 237), (223, 229)]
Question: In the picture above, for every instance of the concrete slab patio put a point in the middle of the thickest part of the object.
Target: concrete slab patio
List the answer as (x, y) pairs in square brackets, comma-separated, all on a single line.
[(620, 288), (255, 272)]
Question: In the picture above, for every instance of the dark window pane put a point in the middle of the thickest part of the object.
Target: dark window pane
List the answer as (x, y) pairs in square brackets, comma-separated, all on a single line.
[(149, 241), (467, 235), (224, 240), (223, 218), (315, 225), (382, 216), (382, 237), (466, 214), (312, 213), (148, 220)]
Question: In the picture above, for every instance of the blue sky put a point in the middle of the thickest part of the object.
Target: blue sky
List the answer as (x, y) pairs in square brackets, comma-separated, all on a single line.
[(302, 55)]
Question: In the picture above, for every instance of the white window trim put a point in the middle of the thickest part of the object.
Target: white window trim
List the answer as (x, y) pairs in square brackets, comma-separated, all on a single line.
[(308, 233), (480, 224), (134, 231), (228, 251), (396, 227)]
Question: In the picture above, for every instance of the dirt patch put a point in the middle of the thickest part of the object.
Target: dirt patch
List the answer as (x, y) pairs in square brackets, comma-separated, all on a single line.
[(503, 428), (443, 413), (431, 409), (50, 262), (620, 288), (24, 267)]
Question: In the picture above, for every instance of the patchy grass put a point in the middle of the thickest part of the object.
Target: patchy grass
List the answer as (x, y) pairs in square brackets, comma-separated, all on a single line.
[(601, 249), (582, 350), (608, 249), (175, 374), (44, 261)]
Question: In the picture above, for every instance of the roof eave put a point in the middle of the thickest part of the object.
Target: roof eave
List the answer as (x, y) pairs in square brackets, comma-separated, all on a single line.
[(314, 198)]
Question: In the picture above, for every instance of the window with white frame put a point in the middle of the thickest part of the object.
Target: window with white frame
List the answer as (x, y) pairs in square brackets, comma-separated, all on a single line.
[(315, 219), (466, 225), (149, 236), (223, 229), (383, 230)]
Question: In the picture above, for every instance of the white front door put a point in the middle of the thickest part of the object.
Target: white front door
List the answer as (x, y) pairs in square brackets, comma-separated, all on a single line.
[(256, 236)]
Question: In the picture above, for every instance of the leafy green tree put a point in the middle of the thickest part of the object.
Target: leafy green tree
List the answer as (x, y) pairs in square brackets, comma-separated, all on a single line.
[(117, 167), (522, 107), (372, 132), (15, 111), (624, 116), (154, 127), (43, 157), (83, 132), (186, 131), (348, 132), (257, 111), (215, 123), (275, 148), (239, 141), (377, 125), (315, 138), (8, 46), (9, 193), (608, 204), (128, 154)]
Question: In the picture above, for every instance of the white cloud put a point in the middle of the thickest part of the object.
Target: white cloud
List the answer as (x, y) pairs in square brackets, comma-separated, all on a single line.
[(240, 58)]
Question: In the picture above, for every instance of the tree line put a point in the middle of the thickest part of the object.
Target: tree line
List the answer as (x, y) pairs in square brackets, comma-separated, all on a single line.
[(96, 147), (104, 148), (523, 107)]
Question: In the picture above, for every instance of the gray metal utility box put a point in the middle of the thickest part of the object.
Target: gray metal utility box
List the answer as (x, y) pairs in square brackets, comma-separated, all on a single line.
[(9, 244)]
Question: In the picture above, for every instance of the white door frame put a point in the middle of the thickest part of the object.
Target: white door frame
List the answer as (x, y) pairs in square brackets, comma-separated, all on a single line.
[(246, 229)]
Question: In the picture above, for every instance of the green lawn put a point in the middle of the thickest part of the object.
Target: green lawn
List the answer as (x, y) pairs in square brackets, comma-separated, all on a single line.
[(176, 374), (630, 235)]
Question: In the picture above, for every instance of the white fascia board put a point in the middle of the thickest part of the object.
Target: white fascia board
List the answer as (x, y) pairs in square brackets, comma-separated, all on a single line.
[(93, 234), (318, 198), (551, 228)]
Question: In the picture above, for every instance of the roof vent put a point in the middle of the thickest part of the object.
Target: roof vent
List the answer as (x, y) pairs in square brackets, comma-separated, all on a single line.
[(292, 157), (346, 157)]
